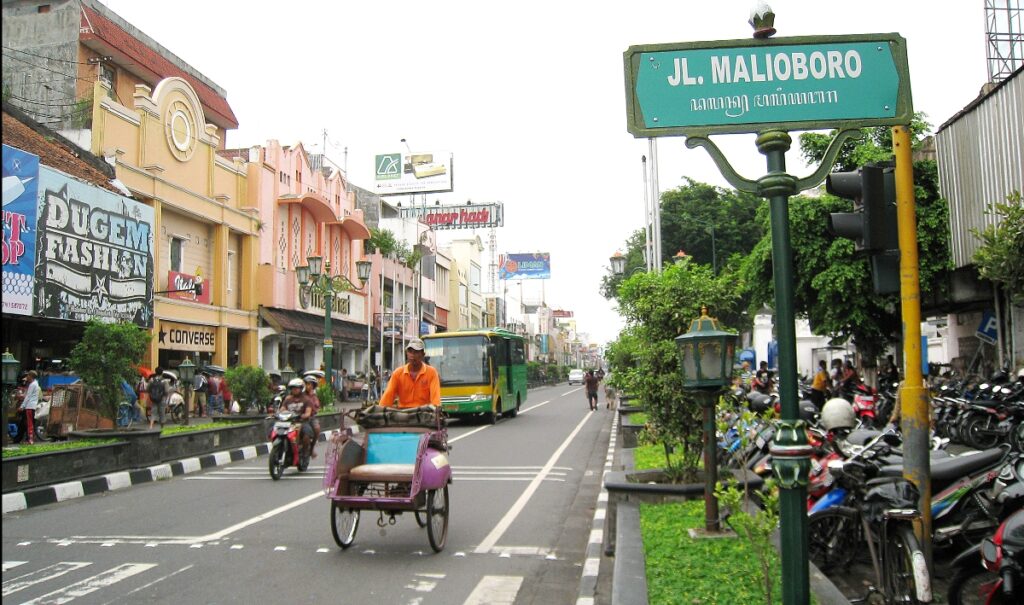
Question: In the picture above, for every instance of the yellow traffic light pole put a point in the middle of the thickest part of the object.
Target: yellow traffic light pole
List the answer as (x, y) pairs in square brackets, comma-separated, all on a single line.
[(915, 410)]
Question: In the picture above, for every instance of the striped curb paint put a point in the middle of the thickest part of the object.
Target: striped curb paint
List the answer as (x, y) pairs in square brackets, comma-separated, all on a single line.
[(592, 562), (61, 492)]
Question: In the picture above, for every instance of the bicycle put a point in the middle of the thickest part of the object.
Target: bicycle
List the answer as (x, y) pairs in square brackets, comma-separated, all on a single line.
[(128, 413), (882, 517)]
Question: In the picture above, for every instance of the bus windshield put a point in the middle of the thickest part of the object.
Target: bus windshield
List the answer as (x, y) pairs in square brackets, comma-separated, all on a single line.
[(459, 360)]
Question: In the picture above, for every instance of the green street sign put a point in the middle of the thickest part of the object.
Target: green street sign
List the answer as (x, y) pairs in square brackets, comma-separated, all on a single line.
[(735, 86)]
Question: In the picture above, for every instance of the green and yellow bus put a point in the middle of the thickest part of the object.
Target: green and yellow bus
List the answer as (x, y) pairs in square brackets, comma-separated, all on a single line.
[(483, 372)]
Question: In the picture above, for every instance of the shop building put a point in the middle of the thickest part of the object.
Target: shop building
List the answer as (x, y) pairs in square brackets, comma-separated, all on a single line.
[(160, 123)]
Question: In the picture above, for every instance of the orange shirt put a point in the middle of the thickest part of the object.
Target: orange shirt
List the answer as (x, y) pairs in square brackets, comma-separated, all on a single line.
[(425, 389)]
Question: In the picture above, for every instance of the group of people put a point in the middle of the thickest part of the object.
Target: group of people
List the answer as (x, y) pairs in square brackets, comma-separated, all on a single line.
[(843, 376), (303, 400), (159, 389)]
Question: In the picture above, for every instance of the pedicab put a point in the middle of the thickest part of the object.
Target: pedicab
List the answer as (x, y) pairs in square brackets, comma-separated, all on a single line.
[(391, 461)]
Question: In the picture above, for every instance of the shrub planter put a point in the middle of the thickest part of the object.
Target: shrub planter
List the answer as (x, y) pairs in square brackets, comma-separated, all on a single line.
[(651, 486), (36, 470), (143, 444), (630, 432)]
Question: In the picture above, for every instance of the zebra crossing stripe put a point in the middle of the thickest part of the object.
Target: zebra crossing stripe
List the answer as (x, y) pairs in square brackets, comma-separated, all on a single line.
[(40, 575), (12, 564), (90, 585)]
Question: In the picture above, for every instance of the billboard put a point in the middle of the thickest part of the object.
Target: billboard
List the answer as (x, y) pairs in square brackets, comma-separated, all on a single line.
[(95, 253), (21, 181), (532, 265), (426, 172), (462, 216)]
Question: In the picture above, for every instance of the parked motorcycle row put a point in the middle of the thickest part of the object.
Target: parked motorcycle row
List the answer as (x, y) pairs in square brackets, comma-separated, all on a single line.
[(860, 506)]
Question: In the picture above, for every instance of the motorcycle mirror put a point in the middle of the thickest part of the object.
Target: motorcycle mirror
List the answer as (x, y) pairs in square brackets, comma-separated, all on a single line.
[(990, 553)]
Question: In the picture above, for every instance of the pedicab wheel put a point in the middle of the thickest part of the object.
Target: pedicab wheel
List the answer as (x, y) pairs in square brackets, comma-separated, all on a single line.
[(421, 518), (344, 523), (276, 464), (178, 413), (437, 518)]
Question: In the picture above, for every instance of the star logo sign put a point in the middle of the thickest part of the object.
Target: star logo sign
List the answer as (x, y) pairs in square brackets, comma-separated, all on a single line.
[(162, 335), (100, 292)]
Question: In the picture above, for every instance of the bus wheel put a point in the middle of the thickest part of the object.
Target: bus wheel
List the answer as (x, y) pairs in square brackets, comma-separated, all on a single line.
[(514, 411), (492, 416)]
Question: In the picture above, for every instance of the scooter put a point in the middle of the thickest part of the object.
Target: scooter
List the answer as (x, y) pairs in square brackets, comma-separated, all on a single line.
[(1000, 577), (287, 448)]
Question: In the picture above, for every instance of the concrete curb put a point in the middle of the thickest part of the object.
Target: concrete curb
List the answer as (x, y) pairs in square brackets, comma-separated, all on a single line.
[(61, 492), (592, 562)]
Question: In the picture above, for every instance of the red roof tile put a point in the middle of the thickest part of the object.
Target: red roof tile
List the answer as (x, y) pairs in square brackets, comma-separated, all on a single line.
[(98, 28)]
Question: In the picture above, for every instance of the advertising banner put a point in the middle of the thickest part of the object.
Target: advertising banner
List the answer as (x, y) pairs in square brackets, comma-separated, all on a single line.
[(21, 182), (187, 337), (95, 253), (183, 282), (462, 216), (532, 265), (426, 172)]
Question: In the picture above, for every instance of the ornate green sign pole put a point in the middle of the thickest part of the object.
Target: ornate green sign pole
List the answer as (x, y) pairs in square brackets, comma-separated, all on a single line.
[(768, 86)]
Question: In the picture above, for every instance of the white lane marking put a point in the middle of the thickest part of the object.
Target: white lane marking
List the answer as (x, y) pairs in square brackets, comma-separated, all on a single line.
[(280, 548), (12, 564), (585, 601), (520, 479), (531, 468), (507, 473), (160, 579), (534, 407), (513, 512), (422, 585), (524, 551), (90, 585), (435, 576), (571, 392), (280, 509), (237, 546), (40, 575), (487, 426), (495, 590)]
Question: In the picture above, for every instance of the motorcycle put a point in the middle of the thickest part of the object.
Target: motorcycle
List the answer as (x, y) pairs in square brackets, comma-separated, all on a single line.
[(999, 577), (288, 448)]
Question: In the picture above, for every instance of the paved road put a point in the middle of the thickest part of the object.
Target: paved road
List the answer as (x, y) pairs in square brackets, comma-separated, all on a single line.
[(522, 507)]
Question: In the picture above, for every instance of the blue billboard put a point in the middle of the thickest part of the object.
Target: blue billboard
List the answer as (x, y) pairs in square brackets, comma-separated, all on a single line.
[(21, 182), (532, 265)]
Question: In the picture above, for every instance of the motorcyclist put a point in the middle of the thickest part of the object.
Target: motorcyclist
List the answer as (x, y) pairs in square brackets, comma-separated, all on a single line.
[(311, 384), (415, 383), (298, 402)]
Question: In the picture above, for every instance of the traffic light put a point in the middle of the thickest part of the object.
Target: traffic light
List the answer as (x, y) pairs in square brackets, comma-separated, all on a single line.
[(872, 225)]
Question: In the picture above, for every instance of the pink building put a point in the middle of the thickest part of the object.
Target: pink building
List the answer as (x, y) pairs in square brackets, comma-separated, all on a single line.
[(305, 209)]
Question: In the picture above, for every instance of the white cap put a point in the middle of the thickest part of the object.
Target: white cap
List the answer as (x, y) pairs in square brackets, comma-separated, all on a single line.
[(415, 344)]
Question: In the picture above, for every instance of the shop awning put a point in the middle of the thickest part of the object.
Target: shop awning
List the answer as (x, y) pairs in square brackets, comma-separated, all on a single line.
[(297, 323)]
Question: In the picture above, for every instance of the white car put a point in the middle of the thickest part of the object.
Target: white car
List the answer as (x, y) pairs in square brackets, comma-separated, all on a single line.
[(575, 377)]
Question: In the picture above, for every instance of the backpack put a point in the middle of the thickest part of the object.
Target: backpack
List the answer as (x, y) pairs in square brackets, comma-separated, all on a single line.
[(200, 384), (157, 389)]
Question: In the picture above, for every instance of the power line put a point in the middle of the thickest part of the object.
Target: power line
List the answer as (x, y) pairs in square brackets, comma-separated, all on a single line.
[(60, 73), (25, 52)]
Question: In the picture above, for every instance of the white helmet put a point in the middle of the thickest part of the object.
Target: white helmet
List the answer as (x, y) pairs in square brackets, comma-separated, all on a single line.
[(295, 382), (838, 414)]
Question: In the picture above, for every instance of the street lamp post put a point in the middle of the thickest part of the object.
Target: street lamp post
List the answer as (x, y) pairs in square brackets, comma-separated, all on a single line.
[(187, 371), (11, 367), (706, 353), (311, 279)]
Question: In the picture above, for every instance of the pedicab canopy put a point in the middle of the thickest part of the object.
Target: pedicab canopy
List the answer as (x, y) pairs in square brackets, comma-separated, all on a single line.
[(706, 353)]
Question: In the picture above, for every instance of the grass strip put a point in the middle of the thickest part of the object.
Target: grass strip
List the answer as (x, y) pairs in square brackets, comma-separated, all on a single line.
[(687, 571), (177, 429), (25, 449)]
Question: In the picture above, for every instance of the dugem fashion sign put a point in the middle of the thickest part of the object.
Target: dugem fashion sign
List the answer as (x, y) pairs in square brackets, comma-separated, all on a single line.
[(95, 253), (735, 86)]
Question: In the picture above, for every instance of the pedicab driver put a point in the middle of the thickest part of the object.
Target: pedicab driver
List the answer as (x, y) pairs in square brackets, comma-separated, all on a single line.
[(415, 383)]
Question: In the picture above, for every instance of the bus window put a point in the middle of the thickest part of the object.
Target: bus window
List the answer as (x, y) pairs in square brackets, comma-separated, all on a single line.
[(518, 352), (500, 351), (461, 360)]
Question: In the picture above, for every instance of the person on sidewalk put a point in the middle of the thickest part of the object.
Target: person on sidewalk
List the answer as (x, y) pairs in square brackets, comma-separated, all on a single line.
[(200, 385), (590, 382), (215, 394), (819, 386), (29, 404), (158, 396), (415, 383)]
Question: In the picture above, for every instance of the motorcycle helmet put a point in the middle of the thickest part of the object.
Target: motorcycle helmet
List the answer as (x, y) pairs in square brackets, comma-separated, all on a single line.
[(311, 378), (838, 414), (295, 382)]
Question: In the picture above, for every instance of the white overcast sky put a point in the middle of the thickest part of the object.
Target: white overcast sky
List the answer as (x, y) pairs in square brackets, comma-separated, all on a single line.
[(528, 96)]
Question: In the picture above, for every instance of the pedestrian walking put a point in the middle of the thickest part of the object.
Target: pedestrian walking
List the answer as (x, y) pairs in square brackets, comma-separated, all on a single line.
[(200, 386), (590, 383), (157, 390), (215, 394), (29, 404)]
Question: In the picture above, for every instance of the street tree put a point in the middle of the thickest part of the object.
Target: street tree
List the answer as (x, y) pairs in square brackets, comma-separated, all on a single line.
[(1000, 258), (108, 354), (832, 285)]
